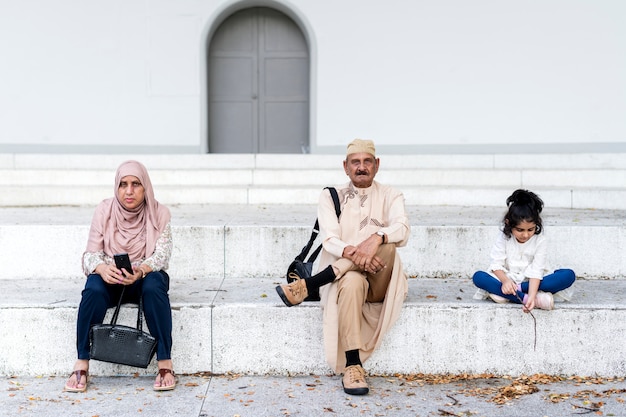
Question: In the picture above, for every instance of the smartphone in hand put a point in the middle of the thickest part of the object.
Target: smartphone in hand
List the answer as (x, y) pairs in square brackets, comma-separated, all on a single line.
[(123, 261)]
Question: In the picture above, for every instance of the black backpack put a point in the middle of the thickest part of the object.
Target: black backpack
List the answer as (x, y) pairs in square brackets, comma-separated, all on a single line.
[(304, 268)]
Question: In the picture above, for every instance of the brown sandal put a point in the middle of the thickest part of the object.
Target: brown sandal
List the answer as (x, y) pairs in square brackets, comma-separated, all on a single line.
[(162, 373), (79, 374)]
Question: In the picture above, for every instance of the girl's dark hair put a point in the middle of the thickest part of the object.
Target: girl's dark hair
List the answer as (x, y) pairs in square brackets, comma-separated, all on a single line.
[(523, 205)]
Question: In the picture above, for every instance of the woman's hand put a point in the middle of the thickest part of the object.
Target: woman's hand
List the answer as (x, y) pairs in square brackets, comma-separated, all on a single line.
[(111, 275), (130, 278)]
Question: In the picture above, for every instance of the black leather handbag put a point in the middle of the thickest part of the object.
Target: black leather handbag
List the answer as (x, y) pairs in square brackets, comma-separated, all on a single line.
[(303, 267), (120, 344)]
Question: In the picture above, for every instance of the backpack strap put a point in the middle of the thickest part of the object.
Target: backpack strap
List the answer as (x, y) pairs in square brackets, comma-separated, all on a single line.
[(335, 196), (316, 230)]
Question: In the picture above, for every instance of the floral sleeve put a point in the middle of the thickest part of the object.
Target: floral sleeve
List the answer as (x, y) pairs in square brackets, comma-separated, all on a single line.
[(159, 260), (92, 259)]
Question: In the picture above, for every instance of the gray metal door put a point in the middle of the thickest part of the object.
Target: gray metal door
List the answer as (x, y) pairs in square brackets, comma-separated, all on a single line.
[(258, 81)]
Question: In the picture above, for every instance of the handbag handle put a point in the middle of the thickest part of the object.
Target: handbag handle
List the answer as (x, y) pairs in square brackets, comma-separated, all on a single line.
[(139, 310)]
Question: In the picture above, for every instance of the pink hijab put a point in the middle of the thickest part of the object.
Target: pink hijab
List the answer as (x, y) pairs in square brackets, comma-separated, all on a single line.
[(114, 229)]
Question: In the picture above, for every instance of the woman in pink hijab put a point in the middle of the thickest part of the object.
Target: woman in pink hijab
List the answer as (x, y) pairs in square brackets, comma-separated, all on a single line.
[(132, 222)]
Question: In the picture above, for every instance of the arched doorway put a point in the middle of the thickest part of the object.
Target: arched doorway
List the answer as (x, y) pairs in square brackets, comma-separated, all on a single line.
[(258, 84)]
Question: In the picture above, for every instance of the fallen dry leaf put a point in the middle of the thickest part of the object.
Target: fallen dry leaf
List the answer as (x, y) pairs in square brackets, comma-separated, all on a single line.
[(519, 386)]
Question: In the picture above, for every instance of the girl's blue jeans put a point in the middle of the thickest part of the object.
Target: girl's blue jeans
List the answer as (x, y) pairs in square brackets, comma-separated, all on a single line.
[(554, 282), (98, 296)]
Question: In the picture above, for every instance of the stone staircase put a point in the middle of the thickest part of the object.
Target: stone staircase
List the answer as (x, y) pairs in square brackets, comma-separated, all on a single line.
[(566, 181), (238, 220)]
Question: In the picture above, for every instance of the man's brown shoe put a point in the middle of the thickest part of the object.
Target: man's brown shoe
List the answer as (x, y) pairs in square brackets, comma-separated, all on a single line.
[(354, 382), (294, 293)]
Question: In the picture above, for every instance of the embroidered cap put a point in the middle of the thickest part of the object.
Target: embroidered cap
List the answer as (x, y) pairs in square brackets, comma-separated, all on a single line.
[(361, 145)]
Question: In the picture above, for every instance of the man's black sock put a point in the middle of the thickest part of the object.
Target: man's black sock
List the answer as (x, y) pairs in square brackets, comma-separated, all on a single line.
[(321, 278), (352, 357)]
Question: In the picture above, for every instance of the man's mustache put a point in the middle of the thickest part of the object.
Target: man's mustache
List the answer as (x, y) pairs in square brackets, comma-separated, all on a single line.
[(362, 172)]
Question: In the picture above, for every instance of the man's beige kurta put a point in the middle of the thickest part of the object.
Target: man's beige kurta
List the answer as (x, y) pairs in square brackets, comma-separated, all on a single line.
[(364, 211)]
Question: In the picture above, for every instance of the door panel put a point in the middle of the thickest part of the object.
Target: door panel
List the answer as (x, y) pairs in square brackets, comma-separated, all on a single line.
[(287, 78), (258, 84), (236, 77), (235, 123), (284, 122), (282, 34)]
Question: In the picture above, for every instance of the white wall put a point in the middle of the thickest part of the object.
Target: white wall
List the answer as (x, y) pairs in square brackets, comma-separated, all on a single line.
[(419, 74), (105, 72), (473, 72)]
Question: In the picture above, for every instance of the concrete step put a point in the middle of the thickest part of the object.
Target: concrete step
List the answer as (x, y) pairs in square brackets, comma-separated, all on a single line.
[(227, 317), (567, 180), (492, 196), (444, 177), (239, 325), (108, 162), (251, 241)]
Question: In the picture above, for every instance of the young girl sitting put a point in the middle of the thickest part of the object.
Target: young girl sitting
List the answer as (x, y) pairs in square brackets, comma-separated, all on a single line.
[(519, 260)]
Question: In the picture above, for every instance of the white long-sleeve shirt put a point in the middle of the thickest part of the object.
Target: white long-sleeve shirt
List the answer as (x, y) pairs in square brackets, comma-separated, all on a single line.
[(520, 261)]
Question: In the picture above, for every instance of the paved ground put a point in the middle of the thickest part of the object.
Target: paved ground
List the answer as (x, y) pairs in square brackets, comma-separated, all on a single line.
[(232, 395)]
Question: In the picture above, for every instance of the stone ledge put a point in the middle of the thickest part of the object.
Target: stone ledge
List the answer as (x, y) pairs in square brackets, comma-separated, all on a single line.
[(210, 240), (240, 325)]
